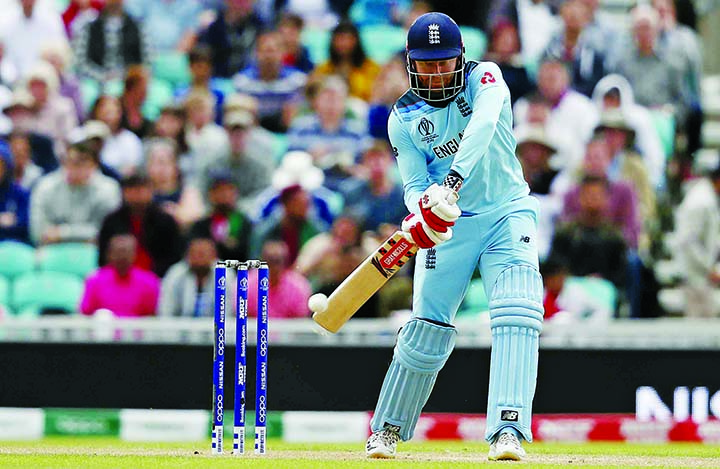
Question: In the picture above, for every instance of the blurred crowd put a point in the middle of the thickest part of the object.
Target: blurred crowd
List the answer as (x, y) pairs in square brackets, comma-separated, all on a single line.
[(173, 133)]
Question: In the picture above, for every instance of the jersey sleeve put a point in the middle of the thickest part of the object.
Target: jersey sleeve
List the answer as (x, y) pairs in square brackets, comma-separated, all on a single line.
[(411, 162), (488, 92)]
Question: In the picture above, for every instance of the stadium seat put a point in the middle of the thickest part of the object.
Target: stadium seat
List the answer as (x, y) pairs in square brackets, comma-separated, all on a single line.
[(362, 14), (664, 124), (225, 85), (318, 43), (601, 290), (172, 67), (382, 41), (33, 292), (89, 92), (16, 258), (160, 92), (61, 5), (4, 293), (72, 258), (112, 87), (475, 42), (279, 147), (335, 202)]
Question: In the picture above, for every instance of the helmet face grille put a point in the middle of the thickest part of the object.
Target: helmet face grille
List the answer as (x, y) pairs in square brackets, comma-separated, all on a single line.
[(420, 82)]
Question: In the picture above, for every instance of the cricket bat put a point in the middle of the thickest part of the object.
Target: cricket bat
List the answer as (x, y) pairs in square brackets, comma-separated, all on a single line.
[(365, 280)]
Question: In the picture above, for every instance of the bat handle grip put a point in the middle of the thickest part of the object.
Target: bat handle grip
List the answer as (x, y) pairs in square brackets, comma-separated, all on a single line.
[(454, 182), (408, 236)]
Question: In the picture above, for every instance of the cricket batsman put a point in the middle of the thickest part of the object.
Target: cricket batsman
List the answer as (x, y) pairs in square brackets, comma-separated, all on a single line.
[(453, 128)]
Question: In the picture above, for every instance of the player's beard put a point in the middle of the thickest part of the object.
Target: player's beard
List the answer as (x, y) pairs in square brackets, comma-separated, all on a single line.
[(439, 87), (437, 94), (437, 90)]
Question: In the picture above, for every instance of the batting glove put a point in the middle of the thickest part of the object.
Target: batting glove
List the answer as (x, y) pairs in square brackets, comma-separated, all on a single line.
[(422, 235), (438, 207)]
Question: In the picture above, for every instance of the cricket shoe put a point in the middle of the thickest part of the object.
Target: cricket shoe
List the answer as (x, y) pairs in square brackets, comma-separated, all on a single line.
[(382, 444), (507, 447)]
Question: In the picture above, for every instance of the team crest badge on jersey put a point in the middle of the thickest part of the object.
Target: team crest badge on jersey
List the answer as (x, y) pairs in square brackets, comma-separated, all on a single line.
[(463, 106), (430, 259)]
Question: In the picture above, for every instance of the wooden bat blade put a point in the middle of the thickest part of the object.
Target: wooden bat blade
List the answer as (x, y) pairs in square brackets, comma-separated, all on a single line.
[(365, 280)]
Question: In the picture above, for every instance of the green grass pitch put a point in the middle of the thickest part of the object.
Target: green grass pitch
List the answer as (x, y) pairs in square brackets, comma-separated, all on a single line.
[(102, 453)]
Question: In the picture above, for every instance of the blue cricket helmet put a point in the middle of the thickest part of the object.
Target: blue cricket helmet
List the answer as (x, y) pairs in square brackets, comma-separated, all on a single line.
[(435, 36)]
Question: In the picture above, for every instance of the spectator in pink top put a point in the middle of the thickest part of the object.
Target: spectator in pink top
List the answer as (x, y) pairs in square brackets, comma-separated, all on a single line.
[(622, 209), (120, 287), (289, 290)]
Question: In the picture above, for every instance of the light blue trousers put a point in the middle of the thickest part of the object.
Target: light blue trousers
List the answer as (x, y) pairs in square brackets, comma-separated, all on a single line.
[(502, 245)]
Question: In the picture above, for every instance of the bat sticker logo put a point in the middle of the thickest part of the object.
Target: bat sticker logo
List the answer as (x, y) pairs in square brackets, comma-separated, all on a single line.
[(393, 258), (376, 263)]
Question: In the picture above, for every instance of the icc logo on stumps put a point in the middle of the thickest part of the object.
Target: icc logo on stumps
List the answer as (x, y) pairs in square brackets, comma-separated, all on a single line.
[(221, 283), (244, 284), (264, 284)]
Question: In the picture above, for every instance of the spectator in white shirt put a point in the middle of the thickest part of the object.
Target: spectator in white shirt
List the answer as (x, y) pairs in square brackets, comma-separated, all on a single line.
[(204, 137), (615, 92), (69, 204), (122, 150), (27, 30), (572, 116), (696, 244), (8, 70), (53, 115)]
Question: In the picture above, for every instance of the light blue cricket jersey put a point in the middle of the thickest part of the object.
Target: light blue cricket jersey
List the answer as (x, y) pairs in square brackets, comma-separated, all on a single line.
[(472, 135)]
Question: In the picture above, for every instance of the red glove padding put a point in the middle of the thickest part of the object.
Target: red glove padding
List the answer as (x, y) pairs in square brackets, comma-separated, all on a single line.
[(422, 235), (438, 207)]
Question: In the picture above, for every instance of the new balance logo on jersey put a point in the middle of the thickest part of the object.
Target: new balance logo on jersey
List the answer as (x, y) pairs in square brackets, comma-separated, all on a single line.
[(434, 33), (509, 415), (431, 259)]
